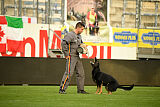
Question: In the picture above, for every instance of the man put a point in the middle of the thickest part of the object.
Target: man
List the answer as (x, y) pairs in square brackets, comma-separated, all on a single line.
[(92, 18), (70, 43)]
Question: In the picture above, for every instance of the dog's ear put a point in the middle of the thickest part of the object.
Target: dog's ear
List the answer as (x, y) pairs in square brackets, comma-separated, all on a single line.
[(95, 59)]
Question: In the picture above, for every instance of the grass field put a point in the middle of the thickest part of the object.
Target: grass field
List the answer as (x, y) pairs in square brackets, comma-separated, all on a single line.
[(48, 96)]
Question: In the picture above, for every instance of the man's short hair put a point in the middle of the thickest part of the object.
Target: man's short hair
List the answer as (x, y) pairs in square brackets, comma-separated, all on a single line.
[(79, 24)]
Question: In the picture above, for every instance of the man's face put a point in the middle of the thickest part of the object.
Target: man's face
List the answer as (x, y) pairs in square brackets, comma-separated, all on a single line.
[(92, 10), (80, 30)]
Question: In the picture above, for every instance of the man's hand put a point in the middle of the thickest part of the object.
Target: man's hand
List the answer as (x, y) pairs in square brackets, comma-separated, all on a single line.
[(84, 46)]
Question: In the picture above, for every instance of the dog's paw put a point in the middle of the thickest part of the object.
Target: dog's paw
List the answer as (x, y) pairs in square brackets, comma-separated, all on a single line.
[(109, 93), (100, 93)]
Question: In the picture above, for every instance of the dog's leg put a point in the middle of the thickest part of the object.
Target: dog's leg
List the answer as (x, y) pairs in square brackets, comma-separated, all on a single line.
[(101, 89), (109, 93), (97, 89)]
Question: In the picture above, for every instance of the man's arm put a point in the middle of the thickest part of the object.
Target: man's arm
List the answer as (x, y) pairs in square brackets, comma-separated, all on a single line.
[(88, 17), (65, 45), (65, 48)]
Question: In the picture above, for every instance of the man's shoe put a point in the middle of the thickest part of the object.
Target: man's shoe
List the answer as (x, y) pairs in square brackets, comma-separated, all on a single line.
[(82, 92), (62, 92)]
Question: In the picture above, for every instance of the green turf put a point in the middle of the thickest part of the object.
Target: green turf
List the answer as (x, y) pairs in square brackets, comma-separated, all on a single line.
[(47, 96)]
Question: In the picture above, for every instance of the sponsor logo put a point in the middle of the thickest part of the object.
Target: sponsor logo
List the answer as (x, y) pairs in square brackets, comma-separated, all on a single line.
[(151, 38), (125, 37)]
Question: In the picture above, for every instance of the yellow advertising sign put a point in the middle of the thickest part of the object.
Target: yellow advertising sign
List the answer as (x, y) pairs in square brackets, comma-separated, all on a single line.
[(149, 38), (125, 37), (146, 38)]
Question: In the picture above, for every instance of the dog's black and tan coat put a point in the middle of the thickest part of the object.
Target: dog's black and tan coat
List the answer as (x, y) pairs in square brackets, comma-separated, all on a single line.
[(103, 79)]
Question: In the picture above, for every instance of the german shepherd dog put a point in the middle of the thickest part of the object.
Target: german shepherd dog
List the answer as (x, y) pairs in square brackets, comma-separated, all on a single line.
[(103, 79)]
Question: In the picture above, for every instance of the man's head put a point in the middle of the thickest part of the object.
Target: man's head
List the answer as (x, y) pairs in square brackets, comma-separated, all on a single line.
[(79, 28), (92, 9)]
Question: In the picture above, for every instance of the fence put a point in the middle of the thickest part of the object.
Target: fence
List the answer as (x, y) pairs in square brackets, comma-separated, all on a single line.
[(50, 71)]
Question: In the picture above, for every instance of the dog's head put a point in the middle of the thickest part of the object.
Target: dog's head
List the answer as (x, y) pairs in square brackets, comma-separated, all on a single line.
[(95, 64)]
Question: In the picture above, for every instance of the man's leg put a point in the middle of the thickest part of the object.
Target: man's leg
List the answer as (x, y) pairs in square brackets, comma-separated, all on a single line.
[(80, 75), (90, 31), (93, 31), (70, 66), (65, 78)]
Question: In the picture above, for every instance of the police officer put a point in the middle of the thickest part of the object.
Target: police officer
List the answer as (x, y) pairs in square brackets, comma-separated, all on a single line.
[(69, 44)]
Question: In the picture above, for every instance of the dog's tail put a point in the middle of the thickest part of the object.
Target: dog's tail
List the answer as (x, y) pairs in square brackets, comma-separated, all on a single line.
[(126, 88)]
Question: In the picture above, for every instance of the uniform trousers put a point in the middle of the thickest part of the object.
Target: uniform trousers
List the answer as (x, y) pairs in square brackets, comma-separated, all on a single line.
[(73, 64)]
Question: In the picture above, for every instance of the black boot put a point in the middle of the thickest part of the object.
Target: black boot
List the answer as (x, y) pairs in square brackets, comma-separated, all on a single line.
[(82, 92)]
